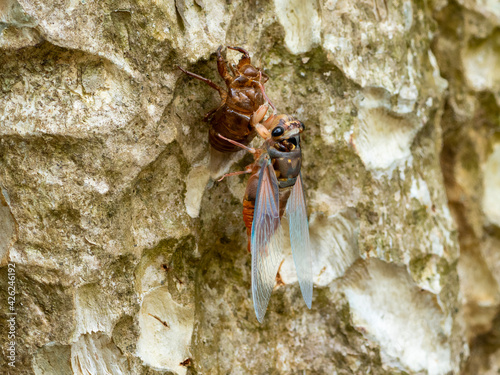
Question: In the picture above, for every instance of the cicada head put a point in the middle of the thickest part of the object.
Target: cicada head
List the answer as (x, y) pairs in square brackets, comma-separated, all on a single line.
[(284, 132)]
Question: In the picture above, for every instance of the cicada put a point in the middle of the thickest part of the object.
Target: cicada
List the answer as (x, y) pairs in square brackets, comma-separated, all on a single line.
[(243, 95), (275, 187)]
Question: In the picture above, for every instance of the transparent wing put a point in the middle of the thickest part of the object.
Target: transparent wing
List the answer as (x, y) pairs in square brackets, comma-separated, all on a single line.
[(266, 241), (299, 238)]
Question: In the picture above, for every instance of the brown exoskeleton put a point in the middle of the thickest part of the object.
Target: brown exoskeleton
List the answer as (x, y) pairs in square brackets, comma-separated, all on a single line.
[(275, 186), (242, 97)]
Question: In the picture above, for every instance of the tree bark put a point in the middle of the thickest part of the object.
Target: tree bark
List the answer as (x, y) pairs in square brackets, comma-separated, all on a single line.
[(127, 255)]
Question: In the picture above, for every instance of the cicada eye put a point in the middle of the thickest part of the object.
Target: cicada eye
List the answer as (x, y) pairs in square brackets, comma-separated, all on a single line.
[(303, 125), (277, 131)]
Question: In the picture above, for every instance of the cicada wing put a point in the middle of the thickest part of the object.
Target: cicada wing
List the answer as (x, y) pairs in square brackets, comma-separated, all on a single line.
[(299, 238), (266, 240)]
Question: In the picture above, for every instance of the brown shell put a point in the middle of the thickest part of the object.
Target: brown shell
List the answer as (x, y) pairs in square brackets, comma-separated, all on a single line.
[(241, 98)]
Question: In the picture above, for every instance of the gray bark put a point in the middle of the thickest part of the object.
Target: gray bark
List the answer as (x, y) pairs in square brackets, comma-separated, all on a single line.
[(131, 259)]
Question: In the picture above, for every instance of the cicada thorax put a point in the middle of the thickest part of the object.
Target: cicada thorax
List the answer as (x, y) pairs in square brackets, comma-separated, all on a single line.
[(287, 168), (241, 98)]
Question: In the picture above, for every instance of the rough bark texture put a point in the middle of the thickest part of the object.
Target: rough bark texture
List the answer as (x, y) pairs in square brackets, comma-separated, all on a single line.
[(130, 259)]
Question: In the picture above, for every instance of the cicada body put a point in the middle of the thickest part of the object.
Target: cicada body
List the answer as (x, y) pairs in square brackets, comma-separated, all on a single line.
[(275, 187), (243, 95), (286, 159)]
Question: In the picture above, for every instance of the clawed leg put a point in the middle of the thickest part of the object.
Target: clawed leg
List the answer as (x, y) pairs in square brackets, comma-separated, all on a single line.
[(258, 115), (249, 149), (247, 170), (245, 59), (262, 128), (243, 51), (206, 80), (268, 123), (222, 68)]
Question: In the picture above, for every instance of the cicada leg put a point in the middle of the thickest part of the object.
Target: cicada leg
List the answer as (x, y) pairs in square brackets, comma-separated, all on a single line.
[(213, 85), (222, 68), (258, 115), (255, 120), (246, 171), (245, 59), (264, 93), (249, 149)]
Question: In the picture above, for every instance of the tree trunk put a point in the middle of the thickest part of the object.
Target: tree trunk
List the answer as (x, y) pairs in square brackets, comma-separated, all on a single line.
[(128, 257)]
